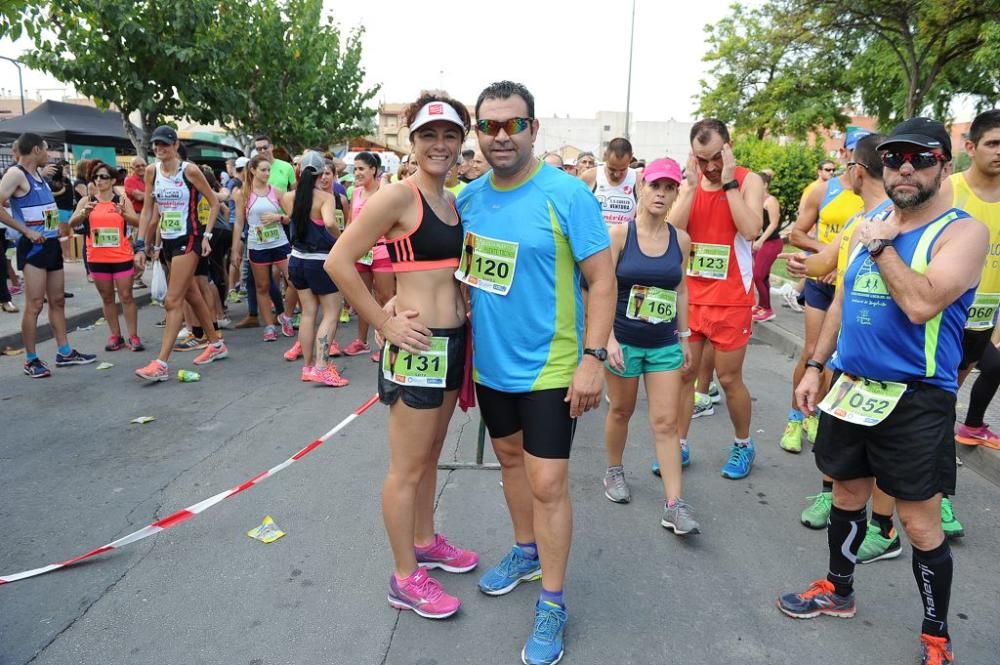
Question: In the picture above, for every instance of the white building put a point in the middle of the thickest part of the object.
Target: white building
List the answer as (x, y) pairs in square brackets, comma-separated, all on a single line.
[(650, 139)]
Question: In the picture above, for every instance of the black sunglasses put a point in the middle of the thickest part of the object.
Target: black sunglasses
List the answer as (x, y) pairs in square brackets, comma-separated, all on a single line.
[(894, 159), (103, 176)]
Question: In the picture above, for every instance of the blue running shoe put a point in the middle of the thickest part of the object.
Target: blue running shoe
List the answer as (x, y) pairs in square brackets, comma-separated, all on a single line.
[(36, 369), (819, 598), (545, 646), (511, 571), (685, 459), (74, 357), (740, 462)]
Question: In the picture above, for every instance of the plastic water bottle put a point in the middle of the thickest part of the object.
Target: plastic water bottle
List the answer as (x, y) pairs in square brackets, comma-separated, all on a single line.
[(187, 376)]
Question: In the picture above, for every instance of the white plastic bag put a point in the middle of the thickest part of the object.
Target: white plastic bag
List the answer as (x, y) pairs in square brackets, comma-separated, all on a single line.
[(158, 289)]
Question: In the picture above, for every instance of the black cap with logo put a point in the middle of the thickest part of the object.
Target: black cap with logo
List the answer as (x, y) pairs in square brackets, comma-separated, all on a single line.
[(164, 134), (921, 132)]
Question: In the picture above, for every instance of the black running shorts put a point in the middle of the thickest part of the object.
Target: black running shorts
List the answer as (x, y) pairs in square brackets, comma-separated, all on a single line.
[(542, 416), (911, 454)]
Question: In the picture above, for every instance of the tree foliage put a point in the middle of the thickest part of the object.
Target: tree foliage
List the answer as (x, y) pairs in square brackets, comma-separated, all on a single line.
[(277, 66), (794, 166), (791, 63), (297, 77)]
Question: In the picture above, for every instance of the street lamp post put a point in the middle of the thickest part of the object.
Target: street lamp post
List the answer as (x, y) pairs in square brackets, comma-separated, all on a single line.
[(628, 93), (20, 81)]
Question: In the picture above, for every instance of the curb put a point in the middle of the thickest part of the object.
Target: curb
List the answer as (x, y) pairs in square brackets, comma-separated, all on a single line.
[(984, 461), (85, 317), (779, 339)]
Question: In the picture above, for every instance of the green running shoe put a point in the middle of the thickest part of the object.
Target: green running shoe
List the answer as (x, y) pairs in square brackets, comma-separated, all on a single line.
[(876, 547), (952, 527), (811, 427), (791, 440), (817, 515)]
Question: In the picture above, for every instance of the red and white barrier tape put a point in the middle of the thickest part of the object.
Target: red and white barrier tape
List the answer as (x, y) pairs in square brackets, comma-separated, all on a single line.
[(191, 511)]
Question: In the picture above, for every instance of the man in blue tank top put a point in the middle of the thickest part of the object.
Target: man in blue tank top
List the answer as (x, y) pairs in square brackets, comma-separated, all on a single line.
[(39, 256), (888, 417)]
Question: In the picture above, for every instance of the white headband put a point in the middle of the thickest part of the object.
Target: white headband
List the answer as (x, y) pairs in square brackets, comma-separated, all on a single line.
[(434, 111)]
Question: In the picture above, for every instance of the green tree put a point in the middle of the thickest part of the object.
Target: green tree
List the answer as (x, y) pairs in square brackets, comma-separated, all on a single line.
[(783, 64), (118, 58), (310, 93), (769, 76), (794, 166)]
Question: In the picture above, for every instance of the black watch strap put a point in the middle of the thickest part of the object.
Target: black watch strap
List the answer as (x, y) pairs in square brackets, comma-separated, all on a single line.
[(815, 363), (732, 184)]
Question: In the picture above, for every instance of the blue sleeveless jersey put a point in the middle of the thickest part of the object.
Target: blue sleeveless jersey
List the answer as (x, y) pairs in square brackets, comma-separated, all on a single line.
[(878, 341), (32, 208)]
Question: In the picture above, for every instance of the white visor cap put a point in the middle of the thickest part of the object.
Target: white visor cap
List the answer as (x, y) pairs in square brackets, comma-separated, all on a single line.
[(434, 111)]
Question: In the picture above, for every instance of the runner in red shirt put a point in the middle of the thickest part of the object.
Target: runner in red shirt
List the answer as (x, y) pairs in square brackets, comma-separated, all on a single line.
[(719, 206), (135, 186)]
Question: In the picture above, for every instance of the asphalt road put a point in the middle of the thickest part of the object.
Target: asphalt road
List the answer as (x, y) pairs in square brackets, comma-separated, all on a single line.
[(74, 474)]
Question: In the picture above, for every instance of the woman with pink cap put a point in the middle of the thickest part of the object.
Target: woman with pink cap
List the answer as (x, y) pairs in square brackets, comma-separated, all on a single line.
[(649, 339)]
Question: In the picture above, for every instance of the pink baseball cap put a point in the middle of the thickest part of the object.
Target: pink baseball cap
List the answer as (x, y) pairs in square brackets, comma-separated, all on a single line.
[(662, 168)]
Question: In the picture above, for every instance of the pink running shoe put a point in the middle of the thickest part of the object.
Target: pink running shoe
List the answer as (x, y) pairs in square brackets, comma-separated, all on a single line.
[(357, 348), (212, 353), (154, 371), (763, 315), (307, 373), (329, 376), (270, 334), (423, 594), (335, 351), (377, 356), (287, 329), (294, 353), (978, 436), (442, 554)]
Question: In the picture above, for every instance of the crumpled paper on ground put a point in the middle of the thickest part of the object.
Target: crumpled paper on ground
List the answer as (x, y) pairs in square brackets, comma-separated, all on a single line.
[(267, 532)]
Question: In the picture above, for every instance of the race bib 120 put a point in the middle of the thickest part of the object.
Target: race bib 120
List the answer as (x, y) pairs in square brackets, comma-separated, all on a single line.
[(487, 264)]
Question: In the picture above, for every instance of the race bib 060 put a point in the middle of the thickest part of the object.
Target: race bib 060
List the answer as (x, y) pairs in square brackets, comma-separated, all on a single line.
[(983, 311)]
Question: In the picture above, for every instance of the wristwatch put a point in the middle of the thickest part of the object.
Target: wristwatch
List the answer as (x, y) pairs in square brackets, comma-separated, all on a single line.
[(599, 353), (816, 365), (876, 246), (732, 184), (208, 234)]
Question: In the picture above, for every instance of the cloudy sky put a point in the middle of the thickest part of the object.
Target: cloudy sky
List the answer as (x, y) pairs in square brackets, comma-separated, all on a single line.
[(572, 54)]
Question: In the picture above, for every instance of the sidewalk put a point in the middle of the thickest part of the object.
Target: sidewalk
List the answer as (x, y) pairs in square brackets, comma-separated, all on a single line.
[(83, 309), (786, 333)]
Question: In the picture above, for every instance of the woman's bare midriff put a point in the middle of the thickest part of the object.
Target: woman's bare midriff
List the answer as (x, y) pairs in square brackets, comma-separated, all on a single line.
[(435, 294)]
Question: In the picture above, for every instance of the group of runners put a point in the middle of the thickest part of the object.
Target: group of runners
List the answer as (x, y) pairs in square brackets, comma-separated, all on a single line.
[(537, 292)]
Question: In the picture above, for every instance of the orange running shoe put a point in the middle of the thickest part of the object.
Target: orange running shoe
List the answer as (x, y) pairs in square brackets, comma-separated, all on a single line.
[(329, 376), (294, 353), (212, 352), (154, 371), (935, 650)]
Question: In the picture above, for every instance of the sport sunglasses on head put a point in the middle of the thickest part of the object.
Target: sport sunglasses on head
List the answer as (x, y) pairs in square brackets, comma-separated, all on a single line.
[(510, 127), (894, 159)]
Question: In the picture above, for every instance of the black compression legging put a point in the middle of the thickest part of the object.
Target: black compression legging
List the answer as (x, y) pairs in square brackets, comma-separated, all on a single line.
[(985, 386)]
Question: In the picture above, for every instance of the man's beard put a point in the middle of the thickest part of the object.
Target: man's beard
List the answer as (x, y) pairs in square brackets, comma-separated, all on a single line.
[(918, 198)]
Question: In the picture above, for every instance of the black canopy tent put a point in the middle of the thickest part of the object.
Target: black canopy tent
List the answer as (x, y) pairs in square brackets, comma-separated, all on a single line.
[(58, 122)]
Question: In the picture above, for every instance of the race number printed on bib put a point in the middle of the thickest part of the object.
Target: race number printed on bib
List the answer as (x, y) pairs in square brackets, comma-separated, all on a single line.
[(862, 402), (172, 221), (368, 258), (106, 237), (51, 219), (651, 304), (708, 261), (268, 232), (487, 263), (983, 311), (425, 370)]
